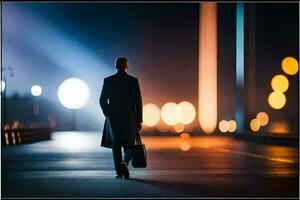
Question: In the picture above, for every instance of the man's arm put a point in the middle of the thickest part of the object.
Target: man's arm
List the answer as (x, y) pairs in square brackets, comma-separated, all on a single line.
[(103, 99), (138, 103)]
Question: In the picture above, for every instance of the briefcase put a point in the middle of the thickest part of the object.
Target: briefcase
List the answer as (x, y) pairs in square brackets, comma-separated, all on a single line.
[(139, 154)]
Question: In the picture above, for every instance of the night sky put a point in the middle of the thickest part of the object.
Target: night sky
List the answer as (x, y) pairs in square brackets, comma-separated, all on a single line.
[(46, 43)]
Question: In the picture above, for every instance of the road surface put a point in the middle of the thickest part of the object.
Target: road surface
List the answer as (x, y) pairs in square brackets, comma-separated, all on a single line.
[(73, 165)]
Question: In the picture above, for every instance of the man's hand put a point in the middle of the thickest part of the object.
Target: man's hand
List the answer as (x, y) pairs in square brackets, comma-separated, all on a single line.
[(139, 126)]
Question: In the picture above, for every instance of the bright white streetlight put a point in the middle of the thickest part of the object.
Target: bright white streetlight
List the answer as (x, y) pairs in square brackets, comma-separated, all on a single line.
[(36, 90), (73, 93), (2, 86)]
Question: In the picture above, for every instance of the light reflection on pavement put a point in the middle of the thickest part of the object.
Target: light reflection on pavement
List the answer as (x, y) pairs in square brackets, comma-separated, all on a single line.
[(224, 165)]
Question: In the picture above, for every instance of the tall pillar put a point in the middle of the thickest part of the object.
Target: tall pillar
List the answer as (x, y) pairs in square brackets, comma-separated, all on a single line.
[(239, 106), (207, 65)]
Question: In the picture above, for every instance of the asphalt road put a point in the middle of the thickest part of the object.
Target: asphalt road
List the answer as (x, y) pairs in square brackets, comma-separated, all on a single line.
[(73, 165)]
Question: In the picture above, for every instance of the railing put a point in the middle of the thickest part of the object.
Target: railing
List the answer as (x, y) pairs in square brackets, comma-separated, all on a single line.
[(17, 136)]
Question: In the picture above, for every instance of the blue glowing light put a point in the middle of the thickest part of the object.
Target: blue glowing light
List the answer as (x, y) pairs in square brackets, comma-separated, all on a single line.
[(239, 113)]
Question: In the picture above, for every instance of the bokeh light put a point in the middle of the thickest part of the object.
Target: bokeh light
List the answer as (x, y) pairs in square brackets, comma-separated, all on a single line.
[(280, 127), (187, 112), (185, 146), (231, 126), (170, 113), (151, 115), (73, 93), (2, 86), (254, 125), (223, 126), (277, 100), (290, 65), (279, 83), (185, 135), (263, 118), (162, 127), (179, 128), (36, 90)]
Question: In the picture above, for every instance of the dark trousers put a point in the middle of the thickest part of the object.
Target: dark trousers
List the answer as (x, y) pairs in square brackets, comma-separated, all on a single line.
[(117, 153)]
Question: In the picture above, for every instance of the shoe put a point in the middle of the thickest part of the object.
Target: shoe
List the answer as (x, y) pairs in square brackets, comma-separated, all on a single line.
[(125, 170), (119, 176)]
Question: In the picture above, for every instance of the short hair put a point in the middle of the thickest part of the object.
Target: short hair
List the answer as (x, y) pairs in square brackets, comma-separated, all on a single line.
[(121, 63)]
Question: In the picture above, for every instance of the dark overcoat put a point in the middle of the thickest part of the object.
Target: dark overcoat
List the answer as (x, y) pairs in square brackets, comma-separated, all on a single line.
[(121, 103)]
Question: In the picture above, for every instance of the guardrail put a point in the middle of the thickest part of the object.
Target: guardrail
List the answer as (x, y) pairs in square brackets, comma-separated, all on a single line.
[(22, 136)]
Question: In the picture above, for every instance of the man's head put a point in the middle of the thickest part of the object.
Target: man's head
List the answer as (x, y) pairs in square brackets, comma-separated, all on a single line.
[(122, 63)]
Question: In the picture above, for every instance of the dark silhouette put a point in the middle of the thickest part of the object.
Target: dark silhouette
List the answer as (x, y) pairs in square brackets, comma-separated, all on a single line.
[(121, 103)]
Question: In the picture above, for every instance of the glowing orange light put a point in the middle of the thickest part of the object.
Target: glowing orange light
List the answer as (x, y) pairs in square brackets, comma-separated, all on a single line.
[(231, 126), (279, 83), (6, 138), (170, 113), (162, 127), (185, 135), (223, 126), (151, 115), (179, 128), (254, 125), (208, 67), (277, 100), (187, 112), (290, 65), (13, 137), (279, 127), (263, 118), (185, 146)]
